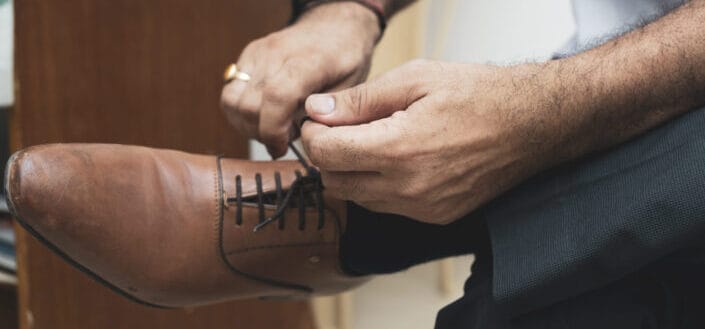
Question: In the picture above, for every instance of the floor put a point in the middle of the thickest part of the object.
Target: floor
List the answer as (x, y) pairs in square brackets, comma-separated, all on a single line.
[(408, 299)]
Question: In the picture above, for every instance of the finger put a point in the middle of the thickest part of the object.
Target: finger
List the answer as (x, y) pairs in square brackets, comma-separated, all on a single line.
[(241, 102), (283, 94), (370, 101), (354, 186), (348, 148), (276, 119), (230, 95), (345, 82)]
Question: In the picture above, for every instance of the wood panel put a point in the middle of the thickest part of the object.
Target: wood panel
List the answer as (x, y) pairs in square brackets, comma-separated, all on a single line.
[(133, 72)]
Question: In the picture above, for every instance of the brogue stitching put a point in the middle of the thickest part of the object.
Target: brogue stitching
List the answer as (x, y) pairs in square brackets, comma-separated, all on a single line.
[(216, 215)]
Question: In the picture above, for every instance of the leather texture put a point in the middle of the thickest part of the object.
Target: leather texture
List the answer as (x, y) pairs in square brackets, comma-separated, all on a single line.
[(154, 225)]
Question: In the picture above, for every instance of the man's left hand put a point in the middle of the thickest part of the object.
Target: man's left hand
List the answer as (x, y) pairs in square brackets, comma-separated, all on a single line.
[(434, 141), (429, 140)]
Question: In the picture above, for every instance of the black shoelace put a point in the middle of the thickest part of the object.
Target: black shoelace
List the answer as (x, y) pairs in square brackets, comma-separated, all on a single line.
[(303, 188)]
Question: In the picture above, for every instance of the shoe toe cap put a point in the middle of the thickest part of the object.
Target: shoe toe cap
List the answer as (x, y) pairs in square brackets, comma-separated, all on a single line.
[(40, 181), (107, 209)]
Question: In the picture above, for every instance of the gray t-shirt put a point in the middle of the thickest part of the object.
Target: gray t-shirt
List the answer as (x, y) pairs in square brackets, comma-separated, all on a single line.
[(597, 21)]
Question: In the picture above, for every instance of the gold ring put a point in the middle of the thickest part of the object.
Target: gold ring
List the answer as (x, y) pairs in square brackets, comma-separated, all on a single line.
[(232, 73)]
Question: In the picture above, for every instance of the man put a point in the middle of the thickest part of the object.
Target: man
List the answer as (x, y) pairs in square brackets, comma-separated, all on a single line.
[(609, 238)]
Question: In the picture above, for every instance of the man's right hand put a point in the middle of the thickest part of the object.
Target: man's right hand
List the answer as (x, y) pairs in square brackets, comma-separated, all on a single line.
[(328, 48)]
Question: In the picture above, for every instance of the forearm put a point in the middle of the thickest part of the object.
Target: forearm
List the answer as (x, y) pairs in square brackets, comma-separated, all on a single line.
[(621, 89)]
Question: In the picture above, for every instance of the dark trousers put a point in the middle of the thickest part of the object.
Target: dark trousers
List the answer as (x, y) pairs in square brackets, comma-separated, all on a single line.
[(614, 240)]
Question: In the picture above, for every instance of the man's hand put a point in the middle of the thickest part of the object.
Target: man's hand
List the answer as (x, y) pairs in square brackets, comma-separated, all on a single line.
[(328, 48), (441, 140), (433, 141)]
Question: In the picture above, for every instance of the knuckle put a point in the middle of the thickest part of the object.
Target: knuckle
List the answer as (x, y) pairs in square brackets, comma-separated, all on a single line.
[(279, 90), (315, 151), (395, 150), (357, 99), (397, 154), (229, 97)]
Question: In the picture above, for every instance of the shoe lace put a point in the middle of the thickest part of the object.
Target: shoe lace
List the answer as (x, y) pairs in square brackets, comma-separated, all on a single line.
[(301, 189)]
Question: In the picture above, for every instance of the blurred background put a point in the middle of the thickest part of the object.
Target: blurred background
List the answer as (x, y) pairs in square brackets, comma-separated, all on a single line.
[(8, 265), (57, 63)]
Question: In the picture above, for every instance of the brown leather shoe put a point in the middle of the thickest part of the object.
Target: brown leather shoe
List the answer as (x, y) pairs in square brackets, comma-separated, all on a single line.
[(167, 228)]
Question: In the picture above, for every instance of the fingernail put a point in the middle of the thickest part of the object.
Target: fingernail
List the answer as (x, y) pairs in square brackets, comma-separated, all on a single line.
[(321, 104)]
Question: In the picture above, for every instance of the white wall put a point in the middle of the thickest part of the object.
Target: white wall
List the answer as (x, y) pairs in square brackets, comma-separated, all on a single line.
[(499, 31)]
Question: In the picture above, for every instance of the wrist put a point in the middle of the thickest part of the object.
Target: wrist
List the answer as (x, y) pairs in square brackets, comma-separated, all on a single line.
[(539, 113), (349, 15), (559, 100)]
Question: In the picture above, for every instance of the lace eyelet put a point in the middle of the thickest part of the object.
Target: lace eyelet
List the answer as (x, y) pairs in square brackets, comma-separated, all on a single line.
[(303, 186)]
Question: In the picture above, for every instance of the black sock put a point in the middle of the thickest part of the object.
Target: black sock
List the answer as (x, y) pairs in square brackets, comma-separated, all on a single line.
[(375, 243)]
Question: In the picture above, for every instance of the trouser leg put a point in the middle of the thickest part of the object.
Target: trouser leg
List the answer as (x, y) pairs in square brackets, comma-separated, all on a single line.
[(614, 240)]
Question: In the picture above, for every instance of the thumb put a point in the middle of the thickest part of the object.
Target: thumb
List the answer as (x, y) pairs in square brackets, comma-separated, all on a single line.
[(365, 102)]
